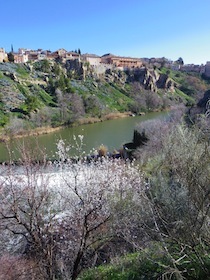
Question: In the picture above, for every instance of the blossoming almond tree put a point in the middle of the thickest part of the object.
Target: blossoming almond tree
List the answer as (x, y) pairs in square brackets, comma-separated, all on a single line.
[(61, 215)]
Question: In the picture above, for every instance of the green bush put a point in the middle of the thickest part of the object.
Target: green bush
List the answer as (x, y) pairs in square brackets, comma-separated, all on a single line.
[(147, 264), (151, 263), (3, 119)]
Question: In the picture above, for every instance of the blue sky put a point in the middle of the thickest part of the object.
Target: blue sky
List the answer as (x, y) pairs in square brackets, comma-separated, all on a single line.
[(136, 28)]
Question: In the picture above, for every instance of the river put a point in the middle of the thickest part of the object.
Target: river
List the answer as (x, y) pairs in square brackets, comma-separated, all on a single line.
[(113, 134)]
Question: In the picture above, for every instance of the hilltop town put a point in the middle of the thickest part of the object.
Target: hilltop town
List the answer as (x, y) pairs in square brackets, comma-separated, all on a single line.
[(108, 60)]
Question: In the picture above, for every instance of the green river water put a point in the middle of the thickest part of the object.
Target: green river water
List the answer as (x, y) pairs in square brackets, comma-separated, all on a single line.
[(113, 134)]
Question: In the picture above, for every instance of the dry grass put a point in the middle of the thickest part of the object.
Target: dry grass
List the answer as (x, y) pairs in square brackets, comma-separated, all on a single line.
[(113, 116), (87, 121), (30, 132), (102, 151)]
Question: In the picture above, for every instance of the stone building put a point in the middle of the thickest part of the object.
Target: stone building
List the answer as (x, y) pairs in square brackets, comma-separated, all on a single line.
[(3, 55), (120, 61), (72, 56), (20, 58), (207, 69), (63, 55), (93, 59)]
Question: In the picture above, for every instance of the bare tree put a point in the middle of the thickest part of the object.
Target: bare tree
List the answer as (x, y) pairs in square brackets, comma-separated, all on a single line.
[(76, 106), (63, 103)]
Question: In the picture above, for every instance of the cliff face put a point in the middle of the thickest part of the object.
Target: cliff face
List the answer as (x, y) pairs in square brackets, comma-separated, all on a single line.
[(151, 80), (148, 78)]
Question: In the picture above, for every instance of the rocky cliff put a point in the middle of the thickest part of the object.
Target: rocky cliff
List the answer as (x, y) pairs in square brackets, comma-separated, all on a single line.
[(149, 78)]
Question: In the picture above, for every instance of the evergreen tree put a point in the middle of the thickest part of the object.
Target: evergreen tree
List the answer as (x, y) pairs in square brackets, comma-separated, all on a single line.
[(180, 61), (61, 83), (11, 57), (51, 86), (45, 66)]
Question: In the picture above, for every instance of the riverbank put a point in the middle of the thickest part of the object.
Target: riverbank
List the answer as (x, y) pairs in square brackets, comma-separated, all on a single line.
[(4, 136), (111, 116)]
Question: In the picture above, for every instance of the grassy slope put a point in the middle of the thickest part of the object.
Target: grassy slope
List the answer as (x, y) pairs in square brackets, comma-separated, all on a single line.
[(111, 97)]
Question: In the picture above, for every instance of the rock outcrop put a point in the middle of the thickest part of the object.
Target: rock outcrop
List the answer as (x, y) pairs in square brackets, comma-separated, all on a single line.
[(150, 79)]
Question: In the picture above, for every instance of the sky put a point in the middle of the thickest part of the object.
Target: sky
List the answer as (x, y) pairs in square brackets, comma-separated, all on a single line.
[(135, 28)]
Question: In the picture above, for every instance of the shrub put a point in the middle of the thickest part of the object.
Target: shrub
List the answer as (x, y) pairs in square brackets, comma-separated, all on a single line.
[(102, 151)]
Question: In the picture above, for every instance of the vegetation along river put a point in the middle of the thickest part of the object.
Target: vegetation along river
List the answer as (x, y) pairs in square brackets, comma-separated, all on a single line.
[(112, 134)]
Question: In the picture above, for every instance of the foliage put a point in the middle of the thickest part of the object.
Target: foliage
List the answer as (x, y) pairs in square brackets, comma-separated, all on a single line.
[(179, 61), (56, 69), (150, 263), (44, 117), (177, 166), (11, 57), (15, 126), (93, 106), (188, 100), (77, 107), (43, 65), (3, 119), (31, 104), (145, 100)]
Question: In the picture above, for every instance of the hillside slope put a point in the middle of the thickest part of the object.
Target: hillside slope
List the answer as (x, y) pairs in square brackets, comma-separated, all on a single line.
[(46, 93)]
